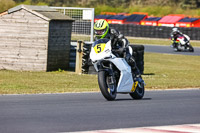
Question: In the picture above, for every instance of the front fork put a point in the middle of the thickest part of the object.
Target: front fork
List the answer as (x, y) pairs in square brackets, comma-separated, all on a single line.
[(111, 75), (109, 69)]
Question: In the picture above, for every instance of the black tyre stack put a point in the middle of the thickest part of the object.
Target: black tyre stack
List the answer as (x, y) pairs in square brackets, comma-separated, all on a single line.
[(154, 31), (138, 54), (85, 59)]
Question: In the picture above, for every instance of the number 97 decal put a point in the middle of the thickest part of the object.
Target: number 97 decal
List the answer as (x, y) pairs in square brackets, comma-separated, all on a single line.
[(99, 47)]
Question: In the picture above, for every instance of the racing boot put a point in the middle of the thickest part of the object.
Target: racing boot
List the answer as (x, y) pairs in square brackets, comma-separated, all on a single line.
[(136, 74), (131, 61)]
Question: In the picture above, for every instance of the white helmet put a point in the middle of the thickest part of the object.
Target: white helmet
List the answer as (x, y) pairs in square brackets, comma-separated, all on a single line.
[(175, 31)]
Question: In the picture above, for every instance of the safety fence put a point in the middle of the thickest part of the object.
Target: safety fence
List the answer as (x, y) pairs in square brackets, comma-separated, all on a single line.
[(82, 27)]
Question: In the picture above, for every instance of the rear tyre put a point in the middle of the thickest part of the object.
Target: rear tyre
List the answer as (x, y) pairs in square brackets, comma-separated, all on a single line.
[(139, 91), (191, 49), (177, 49), (108, 90)]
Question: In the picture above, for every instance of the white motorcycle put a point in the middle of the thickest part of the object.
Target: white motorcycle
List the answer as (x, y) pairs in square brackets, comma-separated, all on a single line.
[(114, 73), (182, 43)]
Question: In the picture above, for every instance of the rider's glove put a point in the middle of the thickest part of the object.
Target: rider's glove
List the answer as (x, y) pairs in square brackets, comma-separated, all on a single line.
[(119, 51)]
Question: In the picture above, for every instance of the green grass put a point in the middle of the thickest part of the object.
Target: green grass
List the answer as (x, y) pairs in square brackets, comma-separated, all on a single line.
[(13, 82), (161, 71), (80, 37), (143, 40), (171, 71), (154, 41)]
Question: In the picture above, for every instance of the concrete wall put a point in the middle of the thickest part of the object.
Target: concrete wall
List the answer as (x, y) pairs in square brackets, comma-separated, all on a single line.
[(59, 45)]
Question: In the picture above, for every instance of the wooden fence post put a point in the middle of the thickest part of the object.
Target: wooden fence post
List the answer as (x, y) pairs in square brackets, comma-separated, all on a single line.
[(79, 55)]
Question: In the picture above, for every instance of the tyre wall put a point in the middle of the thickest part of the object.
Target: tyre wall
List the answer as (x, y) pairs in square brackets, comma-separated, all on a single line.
[(154, 31), (138, 54)]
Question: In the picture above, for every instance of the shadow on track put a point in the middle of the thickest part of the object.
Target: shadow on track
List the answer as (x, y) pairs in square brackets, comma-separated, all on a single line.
[(130, 99), (148, 74)]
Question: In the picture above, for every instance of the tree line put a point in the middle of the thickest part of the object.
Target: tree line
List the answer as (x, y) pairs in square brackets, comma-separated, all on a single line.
[(184, 4)]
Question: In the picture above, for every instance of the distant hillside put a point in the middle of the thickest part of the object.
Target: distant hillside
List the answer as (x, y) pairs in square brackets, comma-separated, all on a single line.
[(152, 7), (116, 3)]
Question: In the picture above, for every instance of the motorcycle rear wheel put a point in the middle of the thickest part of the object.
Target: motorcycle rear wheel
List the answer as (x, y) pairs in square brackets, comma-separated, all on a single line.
[(191, 49), (139, 92), (108, 91)]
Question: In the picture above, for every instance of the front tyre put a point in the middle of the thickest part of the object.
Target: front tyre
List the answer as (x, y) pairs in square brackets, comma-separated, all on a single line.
[(107, 88)]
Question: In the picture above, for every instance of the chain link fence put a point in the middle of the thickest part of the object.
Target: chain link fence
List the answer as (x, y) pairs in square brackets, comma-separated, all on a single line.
[(82, 27)]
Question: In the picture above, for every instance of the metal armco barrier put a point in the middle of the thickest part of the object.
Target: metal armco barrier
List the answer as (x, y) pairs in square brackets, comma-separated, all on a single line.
[(72, 56)]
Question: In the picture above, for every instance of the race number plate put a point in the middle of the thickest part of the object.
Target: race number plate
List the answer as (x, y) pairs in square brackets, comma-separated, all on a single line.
[(99, 47)]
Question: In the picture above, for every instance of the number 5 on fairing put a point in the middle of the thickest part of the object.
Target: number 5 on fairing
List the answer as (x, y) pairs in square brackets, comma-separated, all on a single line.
[(99, 48)]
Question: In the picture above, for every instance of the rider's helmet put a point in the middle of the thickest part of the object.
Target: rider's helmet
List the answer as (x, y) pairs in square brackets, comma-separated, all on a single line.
[(101, 28), (175, 31)]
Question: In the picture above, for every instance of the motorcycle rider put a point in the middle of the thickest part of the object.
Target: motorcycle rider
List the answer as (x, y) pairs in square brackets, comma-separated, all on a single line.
[(180, 41), (174, 35), (119, 42)]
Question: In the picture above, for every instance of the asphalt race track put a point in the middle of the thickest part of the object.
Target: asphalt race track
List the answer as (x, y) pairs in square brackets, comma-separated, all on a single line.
[(50, 113), (169, 50)]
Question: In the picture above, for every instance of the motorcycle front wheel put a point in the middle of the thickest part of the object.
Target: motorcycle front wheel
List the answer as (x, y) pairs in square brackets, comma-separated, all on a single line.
[(108, 90)]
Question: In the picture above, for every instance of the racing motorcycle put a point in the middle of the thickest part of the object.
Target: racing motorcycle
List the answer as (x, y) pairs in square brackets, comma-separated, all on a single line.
[(182, 43), (114, 73)]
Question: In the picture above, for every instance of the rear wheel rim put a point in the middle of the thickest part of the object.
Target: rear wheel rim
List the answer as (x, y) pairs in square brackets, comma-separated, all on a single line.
[(140, 89)]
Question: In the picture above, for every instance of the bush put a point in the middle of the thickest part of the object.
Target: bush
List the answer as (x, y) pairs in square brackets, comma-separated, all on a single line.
[(151, 10), (6, 4)]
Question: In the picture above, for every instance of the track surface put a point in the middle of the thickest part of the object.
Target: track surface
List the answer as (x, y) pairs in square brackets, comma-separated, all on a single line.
[(169, 50), (48, 113)]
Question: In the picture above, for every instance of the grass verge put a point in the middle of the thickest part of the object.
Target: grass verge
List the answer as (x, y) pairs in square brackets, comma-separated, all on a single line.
[(15, 82), (162, 71), (143, 41), (154, 41), (165, 71)]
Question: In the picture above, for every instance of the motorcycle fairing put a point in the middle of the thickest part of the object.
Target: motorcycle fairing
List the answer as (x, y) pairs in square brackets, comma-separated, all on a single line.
[(183, 39), (125, 83)]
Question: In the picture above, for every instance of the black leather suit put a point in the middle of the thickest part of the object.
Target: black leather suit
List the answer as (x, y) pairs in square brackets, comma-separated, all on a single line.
[(120, 46)]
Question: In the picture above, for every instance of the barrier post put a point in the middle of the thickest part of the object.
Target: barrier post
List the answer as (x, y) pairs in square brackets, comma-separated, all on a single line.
[(79, 55)]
